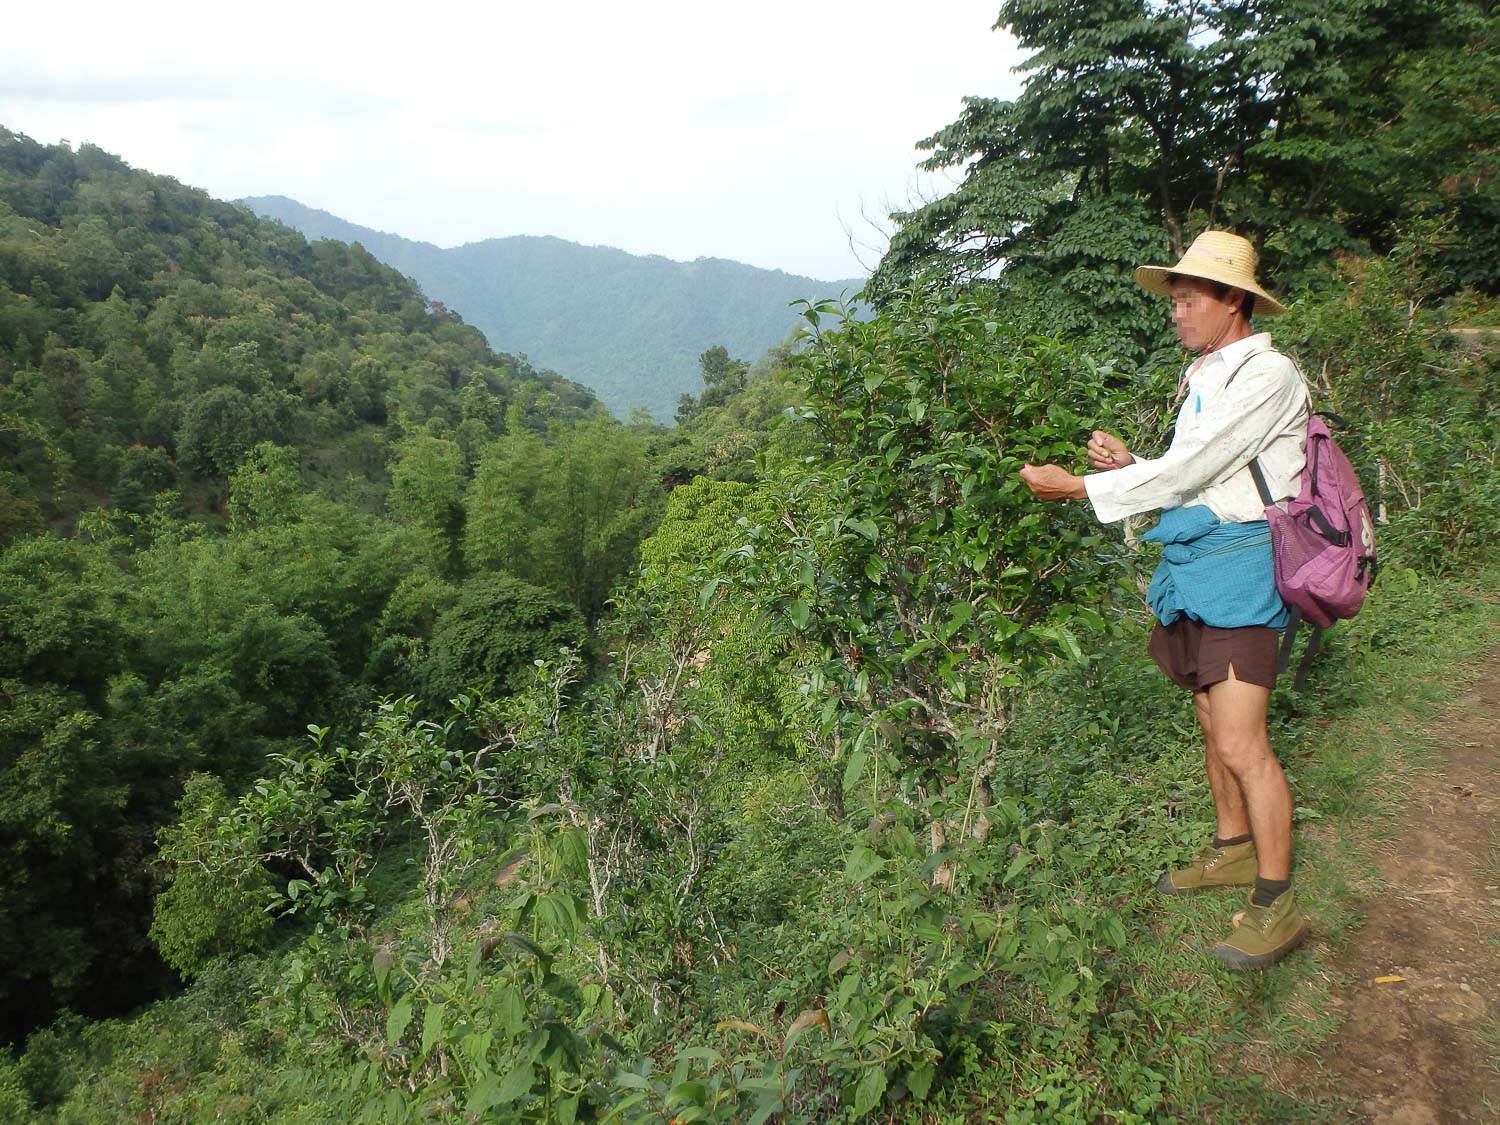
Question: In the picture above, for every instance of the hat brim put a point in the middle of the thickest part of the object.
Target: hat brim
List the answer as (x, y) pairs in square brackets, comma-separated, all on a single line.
[(1158, 280)]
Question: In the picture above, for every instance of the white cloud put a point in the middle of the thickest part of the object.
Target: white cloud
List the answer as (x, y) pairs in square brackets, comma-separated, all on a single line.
[(756, 132)]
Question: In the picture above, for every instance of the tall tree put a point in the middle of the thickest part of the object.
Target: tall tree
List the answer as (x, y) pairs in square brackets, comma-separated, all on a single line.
[(722, 377), (1143, 121), (566, 514), (427, 483)]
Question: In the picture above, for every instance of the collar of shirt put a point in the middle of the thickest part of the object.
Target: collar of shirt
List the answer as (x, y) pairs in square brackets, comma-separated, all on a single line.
[(1231, 355)]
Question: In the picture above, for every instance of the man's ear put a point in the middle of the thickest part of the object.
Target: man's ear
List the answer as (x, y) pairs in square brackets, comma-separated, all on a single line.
[(1240, 300)]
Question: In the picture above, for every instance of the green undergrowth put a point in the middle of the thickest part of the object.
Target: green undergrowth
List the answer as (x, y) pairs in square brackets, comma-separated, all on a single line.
[(1052, 984), (1116, 768)]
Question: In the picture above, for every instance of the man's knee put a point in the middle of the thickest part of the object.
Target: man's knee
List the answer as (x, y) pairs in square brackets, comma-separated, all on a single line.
[(1242, 752)]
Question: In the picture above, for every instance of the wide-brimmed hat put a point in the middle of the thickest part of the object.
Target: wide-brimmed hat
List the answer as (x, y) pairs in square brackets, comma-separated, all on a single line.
[(1215, 255)]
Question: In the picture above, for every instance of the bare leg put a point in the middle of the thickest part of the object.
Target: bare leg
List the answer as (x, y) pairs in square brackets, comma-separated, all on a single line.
[(1229, 803), (1240, 743)]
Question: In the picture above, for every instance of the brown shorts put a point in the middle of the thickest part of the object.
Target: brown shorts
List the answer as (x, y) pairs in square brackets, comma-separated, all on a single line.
[(1197, 656)]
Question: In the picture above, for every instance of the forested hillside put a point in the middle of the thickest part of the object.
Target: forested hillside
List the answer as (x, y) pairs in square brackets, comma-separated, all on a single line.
[(248, 482), (628, 327), (151, 336), (472, 757)]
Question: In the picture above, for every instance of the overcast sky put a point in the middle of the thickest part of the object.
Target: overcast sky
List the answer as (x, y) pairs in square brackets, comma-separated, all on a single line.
[(774, 133)]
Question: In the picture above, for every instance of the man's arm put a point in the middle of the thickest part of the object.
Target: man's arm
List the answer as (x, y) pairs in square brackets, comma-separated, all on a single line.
[(1053, 482), (1232, 428)]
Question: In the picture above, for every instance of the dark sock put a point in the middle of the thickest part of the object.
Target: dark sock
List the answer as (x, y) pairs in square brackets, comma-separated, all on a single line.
[(1220, 842), (1268, 891)]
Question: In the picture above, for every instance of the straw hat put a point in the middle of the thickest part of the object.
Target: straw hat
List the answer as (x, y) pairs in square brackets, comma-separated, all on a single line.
[(1215, 255)]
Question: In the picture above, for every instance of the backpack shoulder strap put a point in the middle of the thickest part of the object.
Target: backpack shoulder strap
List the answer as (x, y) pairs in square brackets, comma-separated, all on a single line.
[(1247, 359), (1268, 351), (1260, 482), (1314, 642), (1288, 639), (1288, 642), (1255, 470)]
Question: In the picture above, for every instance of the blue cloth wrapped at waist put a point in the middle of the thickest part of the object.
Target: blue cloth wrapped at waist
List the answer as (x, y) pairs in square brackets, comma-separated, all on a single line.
[(1221, 574)]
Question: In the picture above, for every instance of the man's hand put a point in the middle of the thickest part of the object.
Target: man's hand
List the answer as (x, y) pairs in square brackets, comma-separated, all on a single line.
[(1053, 482), (1107, 452)]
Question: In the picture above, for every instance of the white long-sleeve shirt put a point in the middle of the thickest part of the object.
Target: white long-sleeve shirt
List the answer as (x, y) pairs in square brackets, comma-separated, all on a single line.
[(1220, 430)]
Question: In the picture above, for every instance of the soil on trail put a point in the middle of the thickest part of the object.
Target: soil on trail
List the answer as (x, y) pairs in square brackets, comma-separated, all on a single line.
[(1421, 1006)]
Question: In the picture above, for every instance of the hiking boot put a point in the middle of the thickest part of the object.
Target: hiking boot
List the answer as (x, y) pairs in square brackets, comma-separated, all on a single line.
[(1212, 867), (1263, 935)]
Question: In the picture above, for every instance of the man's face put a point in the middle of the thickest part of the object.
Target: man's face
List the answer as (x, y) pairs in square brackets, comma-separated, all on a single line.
[(1199, 314)]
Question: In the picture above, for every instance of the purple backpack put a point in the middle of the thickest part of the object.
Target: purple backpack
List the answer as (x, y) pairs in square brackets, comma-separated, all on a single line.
[(1323, 543)]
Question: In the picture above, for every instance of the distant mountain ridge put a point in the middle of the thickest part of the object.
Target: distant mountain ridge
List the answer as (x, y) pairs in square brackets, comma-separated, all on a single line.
[(629, 327)]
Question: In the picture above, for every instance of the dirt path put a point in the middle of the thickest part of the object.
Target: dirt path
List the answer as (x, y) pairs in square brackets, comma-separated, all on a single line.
[(1423, 1048)]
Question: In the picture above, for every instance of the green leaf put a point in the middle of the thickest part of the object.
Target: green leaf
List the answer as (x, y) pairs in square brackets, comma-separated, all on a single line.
[(618, 1109), (397, 1022), (766, 1083), (826, 713), (687, 1093), (517, 1084), (800, 613), (525, 945), (962, 613), (510, 1010), (960, 975), (1062, 987), (867, 528), (847, 987), (558, 912), (868, 1093), (1089, 617), (483, 1094), (861, 864), (432, 1026), (919, 1081), (573, 851), (1070, 644), (1018, 864), (476, 1047), (911, 652), (854, 769), (631, 1080)]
